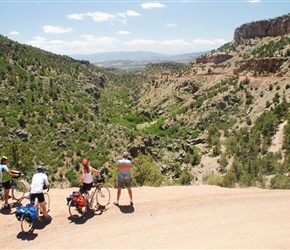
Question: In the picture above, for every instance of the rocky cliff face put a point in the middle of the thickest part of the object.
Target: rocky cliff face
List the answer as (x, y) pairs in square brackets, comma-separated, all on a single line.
[(273, 27)]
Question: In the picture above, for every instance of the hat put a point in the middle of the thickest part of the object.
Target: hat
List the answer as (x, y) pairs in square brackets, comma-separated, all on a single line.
[(125, 154), (85, 161)]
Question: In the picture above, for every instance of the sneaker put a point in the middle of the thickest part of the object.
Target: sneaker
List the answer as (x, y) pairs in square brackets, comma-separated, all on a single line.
[(116, 203), (131, 203), (7, 206)]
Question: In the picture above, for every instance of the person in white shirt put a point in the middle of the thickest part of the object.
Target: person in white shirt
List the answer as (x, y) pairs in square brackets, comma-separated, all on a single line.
[(87, 176), (39, 182)]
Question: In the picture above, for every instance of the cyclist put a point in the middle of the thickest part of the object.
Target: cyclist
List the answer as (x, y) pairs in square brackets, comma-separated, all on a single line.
[(87, 176), (40, 182), (5, 179), (124, 177)]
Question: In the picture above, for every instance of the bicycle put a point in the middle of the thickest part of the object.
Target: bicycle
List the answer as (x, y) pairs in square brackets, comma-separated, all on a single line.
[(25, 221), (18, 188), (101, 195)]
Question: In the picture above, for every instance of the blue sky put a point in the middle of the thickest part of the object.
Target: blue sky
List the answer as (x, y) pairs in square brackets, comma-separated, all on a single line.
[(167, 27)]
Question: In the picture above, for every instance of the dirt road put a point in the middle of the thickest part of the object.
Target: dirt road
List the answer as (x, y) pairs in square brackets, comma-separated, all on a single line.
[(194, 217)]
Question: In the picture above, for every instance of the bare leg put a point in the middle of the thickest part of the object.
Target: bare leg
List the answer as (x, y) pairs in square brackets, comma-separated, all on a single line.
[(130, 193), (119, 193), (6, 195), (43, 207)]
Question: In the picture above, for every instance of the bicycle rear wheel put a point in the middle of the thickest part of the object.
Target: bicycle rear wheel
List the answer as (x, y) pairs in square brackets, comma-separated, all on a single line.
[(103, 196), (18, 190), (26, 226), (76, 211)]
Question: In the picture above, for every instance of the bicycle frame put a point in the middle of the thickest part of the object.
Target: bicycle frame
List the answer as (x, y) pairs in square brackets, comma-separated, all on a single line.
[(89, 196)]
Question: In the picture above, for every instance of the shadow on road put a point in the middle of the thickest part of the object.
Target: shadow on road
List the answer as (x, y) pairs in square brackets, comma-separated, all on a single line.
[(88, 215), (26, 236), (127, 209)]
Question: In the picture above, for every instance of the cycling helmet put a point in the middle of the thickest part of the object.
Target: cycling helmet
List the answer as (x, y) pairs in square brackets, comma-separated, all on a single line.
[(4, 158), (85, 162), (41, 167)]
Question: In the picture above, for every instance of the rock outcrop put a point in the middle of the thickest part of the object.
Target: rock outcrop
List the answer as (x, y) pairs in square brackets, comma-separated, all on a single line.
[(273, 27), (216, 59), (270, 65)]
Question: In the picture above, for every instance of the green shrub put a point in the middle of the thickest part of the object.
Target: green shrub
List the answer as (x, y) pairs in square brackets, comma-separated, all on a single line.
[(280, 181), (72, 177), (185, 177), (213, 180), (145, 172)]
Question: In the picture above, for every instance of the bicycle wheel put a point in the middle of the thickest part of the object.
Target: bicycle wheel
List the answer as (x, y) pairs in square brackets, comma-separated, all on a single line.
[(75, 211), (103, 196), (26, 226), (18, 190)]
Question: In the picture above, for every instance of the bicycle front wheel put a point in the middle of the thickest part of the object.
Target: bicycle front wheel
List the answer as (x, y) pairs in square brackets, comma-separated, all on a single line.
[(103, 196), (26, 226), (76, 211), (18, 190)]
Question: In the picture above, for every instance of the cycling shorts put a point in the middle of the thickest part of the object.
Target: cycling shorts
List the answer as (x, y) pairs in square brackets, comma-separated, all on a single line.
[(6, 185), (39, 196), (127, 182)]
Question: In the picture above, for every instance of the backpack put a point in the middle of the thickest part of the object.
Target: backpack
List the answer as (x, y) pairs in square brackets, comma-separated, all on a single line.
[(79, 199), (30, 213), (19, 212), (70, 197)]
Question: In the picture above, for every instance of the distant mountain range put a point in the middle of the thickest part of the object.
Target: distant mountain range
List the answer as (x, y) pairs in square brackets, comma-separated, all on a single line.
[(134, 59)]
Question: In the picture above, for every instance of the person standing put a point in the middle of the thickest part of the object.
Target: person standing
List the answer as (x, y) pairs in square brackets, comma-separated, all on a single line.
[(39, 182), (87, 176), (124, 177), (5, 179)]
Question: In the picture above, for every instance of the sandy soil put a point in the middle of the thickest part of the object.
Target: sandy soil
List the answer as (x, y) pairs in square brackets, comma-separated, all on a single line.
[(193, 217)]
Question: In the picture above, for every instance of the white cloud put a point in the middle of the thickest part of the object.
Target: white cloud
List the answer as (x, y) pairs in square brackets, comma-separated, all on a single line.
[(204, 41), (254, 1), (88, 44), (171, 25), (14, 33), (55, 29), (173, 42), (101, 16), (76, 16), (152, 5), (132, 13), (123, 32)]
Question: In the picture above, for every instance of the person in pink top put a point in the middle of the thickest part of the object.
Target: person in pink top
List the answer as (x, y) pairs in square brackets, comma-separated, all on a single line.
[(124, 177)]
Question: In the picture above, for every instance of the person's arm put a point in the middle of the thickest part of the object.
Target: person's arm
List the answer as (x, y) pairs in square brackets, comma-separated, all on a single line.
[(46, 183), (47, 186), (11, 174), (83, 177), (97, 172)]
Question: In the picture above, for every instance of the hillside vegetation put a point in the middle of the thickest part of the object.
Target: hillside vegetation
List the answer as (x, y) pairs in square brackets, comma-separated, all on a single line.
[(211, 121)]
